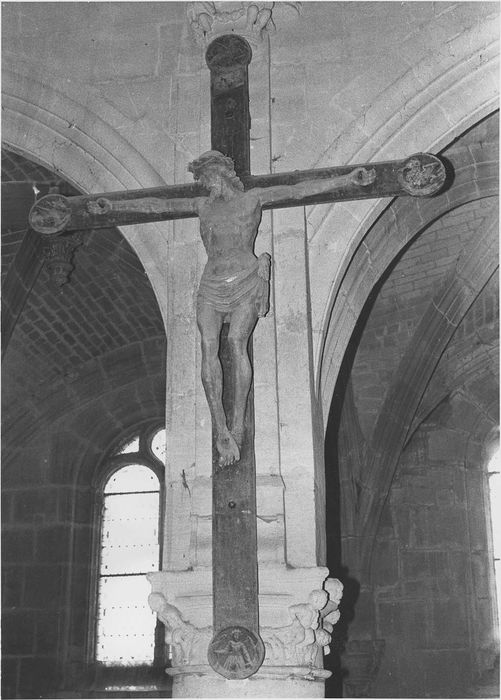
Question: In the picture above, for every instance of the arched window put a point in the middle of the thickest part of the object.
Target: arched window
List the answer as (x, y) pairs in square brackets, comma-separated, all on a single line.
[(129, 547), (494, 477)]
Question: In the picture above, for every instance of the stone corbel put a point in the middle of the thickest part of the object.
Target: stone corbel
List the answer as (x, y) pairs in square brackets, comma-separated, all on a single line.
[(251, 20), (58, 254)]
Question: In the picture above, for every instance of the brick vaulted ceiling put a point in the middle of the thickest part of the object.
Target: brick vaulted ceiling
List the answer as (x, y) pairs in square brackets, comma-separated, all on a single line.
[(106, 317)]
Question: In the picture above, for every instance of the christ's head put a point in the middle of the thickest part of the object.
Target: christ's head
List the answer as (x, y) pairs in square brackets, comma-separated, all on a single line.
[(215, 171)]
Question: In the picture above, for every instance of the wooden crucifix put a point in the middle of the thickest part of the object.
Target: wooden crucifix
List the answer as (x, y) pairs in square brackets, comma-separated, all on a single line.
[(233, 294)]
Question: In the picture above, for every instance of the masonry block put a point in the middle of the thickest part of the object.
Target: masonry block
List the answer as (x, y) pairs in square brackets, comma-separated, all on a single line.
[(414, 564), (394, 617), (385, 565), (46, 632), (18, 545), (448, 573), (12, 585), (10, 669), (447, 673), (271, 540), (447, 446), (269, 495), (82, 544), (52, 544), (44, 586), (80, 582), (79, 628), (481, 566), (7, 508), (400, 661), (39, 505), (17, 632), (38, 677), (449, 625), (433, 528)]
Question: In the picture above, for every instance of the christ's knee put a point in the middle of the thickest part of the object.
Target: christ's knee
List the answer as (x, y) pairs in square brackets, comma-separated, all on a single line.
[(210, 348), (237, 345), (211, 367)]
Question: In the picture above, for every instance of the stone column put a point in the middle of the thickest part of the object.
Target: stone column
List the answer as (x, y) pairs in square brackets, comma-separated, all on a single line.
[(297, 603), (299, 432), (298, 608), (296, 616)]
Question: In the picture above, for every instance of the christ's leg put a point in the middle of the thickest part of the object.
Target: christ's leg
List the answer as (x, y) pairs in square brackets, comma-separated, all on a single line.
[(210, 323), (242, 323)]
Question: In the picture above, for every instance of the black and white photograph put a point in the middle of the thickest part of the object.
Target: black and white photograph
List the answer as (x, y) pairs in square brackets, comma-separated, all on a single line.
[(250, 349)]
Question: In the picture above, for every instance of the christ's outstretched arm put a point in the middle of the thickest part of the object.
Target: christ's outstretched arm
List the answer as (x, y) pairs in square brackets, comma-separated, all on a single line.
[(278, 193), (145, 205)]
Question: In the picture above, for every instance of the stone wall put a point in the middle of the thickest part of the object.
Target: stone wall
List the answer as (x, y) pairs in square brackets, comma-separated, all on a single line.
[(49, 528), (433, 571)]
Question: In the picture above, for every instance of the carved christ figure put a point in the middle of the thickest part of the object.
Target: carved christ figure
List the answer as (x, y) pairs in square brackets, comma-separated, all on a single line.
[(234, 287)]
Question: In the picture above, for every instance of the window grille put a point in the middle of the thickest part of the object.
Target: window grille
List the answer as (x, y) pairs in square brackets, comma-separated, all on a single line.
[(129, 549)]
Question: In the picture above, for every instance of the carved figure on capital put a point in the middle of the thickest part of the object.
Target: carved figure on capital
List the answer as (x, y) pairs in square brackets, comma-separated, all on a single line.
[(252, 20), (300, 643), (189, 643), (330, 614)]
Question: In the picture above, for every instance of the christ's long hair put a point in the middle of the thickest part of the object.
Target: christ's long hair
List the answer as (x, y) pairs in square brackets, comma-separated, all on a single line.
[(216, 159)]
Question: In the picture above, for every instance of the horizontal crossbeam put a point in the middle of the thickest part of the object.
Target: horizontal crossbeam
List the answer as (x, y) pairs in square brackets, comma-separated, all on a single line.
[(422, 174)]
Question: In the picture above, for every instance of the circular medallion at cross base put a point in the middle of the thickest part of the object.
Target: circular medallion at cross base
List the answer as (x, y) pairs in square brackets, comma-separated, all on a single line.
[(235, 652)]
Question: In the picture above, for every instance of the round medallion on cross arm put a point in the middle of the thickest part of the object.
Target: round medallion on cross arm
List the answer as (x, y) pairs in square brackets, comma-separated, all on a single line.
[(421, 175), (235, 652), (50, 214)]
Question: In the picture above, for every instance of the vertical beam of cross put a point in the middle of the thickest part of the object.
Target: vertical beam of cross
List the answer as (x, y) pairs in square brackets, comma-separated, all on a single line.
[(234, 529)]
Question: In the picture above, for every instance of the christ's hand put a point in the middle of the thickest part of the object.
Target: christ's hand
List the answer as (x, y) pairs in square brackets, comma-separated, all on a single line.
[(362, 176)]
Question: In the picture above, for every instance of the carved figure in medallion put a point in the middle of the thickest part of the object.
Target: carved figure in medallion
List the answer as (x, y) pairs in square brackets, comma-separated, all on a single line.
[(418, 178), (236, 652), (50, 215)]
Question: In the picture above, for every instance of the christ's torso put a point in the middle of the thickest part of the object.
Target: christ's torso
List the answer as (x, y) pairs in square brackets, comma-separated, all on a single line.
[(228, 229)]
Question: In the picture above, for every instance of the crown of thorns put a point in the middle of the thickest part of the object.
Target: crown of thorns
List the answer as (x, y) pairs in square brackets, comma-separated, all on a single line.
[(210, 158)]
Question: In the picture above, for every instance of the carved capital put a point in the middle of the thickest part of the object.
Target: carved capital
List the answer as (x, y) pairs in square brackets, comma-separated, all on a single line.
[(302, 642), (251, 20), (293, 649), (189, 643)]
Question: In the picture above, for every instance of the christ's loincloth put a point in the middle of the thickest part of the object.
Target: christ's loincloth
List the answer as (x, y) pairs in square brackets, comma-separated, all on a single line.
[(225, 294)]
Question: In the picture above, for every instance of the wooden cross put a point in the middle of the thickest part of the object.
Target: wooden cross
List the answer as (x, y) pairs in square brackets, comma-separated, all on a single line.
[(236, 650)]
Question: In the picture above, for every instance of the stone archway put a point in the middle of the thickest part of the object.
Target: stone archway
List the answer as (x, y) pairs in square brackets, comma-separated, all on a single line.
[(383, 242), (41, 121), (427, 109)]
